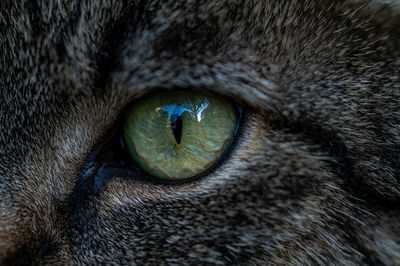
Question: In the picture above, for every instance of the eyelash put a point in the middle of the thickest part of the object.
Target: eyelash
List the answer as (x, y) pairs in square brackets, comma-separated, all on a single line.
[(99, 167)]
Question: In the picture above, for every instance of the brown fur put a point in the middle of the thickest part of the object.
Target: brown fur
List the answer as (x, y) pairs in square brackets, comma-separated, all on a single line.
[(312, 179)]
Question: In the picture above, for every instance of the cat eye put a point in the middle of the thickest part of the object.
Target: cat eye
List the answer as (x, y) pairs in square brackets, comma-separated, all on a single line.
[(178, 134), (168, 136)]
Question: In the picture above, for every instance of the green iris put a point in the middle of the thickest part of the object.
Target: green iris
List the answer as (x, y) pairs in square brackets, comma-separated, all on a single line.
[(179, 134)]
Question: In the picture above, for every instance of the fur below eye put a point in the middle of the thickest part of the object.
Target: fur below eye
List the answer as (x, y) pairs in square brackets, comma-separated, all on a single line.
[(175, 135)]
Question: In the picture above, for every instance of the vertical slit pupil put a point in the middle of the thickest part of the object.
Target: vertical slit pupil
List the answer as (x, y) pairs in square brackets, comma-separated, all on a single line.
[(176, 126)]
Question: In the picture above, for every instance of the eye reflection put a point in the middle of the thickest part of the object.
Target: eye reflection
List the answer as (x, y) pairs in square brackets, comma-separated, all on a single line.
[(194, 108)]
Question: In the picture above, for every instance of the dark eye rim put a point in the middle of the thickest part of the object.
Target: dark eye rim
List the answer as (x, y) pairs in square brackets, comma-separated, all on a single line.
[(99, 172)]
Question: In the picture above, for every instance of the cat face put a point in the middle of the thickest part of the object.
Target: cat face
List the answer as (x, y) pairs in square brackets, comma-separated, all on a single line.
[(313, 175)]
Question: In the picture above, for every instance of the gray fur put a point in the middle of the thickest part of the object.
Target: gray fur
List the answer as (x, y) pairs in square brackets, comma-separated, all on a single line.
[(313, 178)]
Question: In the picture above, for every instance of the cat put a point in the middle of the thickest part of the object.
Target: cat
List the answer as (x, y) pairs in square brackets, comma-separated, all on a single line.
[(313, 175)]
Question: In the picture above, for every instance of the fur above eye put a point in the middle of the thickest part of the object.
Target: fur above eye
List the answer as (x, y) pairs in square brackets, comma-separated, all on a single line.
[(175, 135)]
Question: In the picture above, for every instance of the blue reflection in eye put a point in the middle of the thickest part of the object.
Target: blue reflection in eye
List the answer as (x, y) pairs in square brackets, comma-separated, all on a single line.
[(176, 110)]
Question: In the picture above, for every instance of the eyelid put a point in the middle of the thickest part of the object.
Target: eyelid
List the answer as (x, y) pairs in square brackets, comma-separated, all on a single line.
[(238, 81)]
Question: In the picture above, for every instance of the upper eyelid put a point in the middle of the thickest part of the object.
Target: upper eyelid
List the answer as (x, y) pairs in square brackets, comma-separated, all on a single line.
[(235, 80)]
